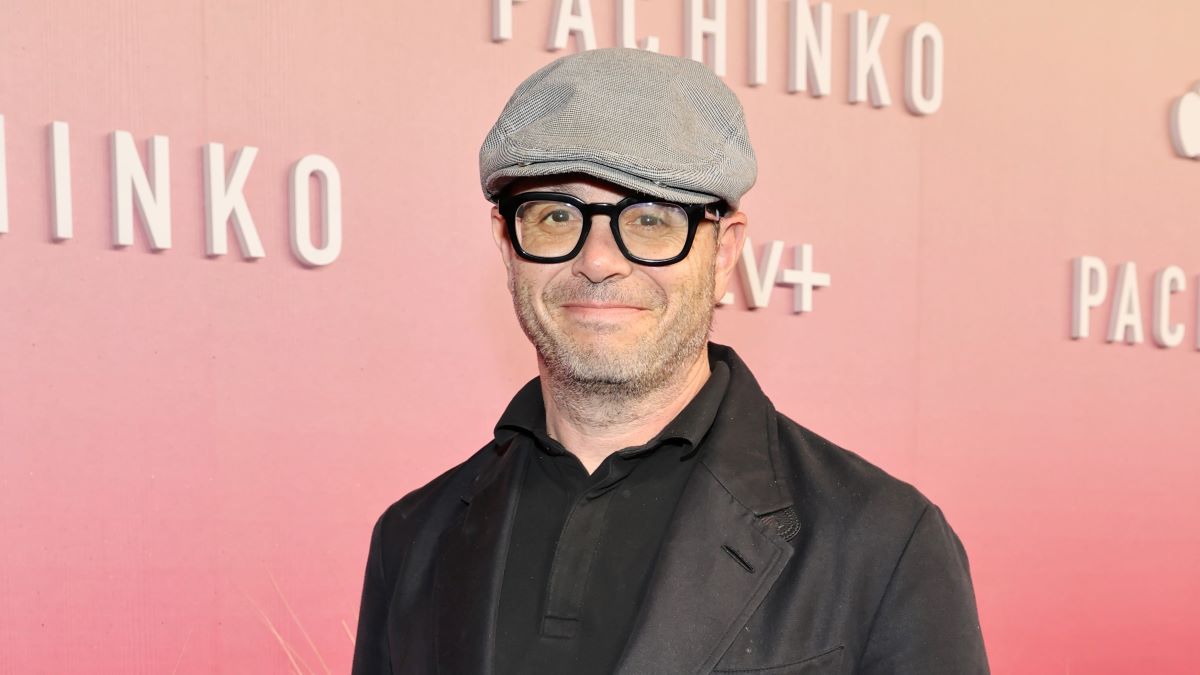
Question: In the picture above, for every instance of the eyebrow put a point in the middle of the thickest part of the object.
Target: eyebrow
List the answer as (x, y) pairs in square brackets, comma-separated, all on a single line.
[(557, 188)]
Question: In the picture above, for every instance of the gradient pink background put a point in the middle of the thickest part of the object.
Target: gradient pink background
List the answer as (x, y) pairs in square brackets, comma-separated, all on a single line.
[(193, 450)]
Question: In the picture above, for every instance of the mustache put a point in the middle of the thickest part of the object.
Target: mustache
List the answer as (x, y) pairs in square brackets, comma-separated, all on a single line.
[(576, 290)]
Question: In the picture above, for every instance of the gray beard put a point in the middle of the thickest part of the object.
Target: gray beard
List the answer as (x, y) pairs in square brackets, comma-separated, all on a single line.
[(583, 374)]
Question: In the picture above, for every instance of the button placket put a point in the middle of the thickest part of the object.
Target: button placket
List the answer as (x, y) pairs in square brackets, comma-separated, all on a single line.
[(570, 571)]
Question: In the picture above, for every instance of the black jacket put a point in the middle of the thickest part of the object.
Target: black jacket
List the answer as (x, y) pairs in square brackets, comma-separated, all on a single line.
[(787, 554)]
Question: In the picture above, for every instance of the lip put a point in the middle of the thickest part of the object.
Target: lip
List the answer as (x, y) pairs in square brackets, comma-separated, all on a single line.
[(600, 310), (599, 305)]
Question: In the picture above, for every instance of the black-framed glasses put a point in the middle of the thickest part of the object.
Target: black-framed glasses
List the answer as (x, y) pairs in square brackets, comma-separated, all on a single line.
[(551, 227)]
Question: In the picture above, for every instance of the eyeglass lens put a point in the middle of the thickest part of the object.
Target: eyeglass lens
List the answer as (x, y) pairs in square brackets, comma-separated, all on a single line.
[(650, 231)]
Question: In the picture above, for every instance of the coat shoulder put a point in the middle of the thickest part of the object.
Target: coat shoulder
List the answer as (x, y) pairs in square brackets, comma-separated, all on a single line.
[(430, 505), (840, 489)]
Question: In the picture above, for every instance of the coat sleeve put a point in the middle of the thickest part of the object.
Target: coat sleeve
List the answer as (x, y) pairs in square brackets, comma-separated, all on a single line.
[(371, 652), (927, 622)]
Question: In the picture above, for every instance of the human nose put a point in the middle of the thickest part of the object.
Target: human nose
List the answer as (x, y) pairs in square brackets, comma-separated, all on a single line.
[(601, 258)]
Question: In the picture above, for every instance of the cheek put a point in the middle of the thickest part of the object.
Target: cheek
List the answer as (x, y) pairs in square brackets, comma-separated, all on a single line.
[(689, 281), (529, 280), (671, 287)]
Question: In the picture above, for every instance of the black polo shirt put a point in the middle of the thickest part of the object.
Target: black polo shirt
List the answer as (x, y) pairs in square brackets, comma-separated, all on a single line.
[(583, 546)]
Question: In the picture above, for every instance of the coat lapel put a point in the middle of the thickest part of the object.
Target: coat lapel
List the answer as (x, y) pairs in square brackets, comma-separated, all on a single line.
[(721, 555), (470, 567), (717, 564)]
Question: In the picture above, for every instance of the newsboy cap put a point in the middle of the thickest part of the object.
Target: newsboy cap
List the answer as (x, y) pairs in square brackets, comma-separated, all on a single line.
[(662, 125)]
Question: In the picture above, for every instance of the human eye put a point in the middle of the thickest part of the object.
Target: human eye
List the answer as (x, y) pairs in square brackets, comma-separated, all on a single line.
[(558, 216), (653, 217), (549, 215)]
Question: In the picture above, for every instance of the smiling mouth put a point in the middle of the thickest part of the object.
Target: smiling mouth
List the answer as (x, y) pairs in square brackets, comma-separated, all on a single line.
[(599, 305), (600, 310)]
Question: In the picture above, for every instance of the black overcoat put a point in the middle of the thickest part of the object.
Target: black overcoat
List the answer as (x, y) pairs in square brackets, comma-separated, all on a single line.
[(786, 554)]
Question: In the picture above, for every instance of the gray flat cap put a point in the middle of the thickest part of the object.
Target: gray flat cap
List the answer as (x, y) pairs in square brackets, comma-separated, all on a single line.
[(662, 125)]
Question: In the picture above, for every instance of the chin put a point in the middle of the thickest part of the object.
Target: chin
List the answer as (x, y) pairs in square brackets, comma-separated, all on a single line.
[(615, 342)]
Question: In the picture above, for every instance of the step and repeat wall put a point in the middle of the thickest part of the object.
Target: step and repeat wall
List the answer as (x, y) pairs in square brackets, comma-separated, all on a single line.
[(249, 298)]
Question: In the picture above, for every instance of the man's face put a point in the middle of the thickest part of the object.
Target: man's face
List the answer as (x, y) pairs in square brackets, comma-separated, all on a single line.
[(604, 323)]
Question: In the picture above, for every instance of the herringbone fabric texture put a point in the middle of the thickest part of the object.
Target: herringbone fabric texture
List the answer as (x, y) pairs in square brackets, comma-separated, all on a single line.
[(662, 125)]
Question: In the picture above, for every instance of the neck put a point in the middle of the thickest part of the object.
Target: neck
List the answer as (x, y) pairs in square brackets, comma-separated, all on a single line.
[(593, 422)]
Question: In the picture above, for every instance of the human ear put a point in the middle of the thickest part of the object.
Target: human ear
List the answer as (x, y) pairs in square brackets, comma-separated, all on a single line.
[(730, 241), (500, 236)]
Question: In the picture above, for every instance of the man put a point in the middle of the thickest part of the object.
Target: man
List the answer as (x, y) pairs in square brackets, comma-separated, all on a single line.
[(642, 507)]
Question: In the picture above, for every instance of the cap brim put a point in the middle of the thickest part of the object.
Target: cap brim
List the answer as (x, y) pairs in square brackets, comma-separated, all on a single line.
[(498, 180)]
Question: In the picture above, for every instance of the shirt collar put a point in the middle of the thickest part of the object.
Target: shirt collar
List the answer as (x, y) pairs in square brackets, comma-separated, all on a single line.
[(526, 414)]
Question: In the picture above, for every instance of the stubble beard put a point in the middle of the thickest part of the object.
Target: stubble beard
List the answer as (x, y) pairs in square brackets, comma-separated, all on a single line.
[(591, 370)]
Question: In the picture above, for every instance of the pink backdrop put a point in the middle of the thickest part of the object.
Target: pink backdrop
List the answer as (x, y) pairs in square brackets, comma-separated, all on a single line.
[(193, 450)]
